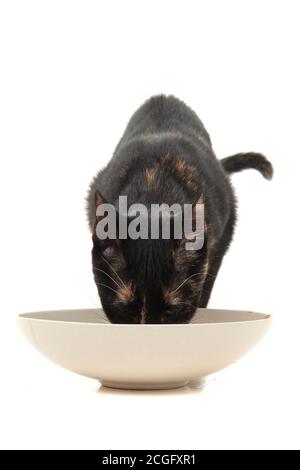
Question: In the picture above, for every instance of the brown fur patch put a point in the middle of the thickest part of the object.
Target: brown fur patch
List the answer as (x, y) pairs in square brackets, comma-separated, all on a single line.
[(187, 174), (192, 186), (143, 317), (205, 268), (211, 241), (125, 293), (150, 174), (180, 167), (165, 158), (190, 172), (171, 297), (143, 313), (190, 178), (183, 171)]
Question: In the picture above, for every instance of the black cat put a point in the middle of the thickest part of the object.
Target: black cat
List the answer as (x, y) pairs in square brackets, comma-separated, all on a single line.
[(164, 156)]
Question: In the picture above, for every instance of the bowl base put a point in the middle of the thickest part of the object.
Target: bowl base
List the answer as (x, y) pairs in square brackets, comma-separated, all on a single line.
[(143, 386)]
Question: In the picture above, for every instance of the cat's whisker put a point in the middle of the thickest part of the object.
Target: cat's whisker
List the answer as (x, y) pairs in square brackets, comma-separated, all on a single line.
[(94, 303), (103, 316), (106, 261), (187, 279), (101, 270), (213, 276), (101, 313), (108, 287), (104, 319)]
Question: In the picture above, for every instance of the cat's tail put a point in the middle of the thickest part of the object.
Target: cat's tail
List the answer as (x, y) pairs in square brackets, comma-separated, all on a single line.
[(244, 161)]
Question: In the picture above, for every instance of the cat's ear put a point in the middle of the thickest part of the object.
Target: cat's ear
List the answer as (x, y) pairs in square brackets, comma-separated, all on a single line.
[(105, 226), (99, 200), (99, 205)]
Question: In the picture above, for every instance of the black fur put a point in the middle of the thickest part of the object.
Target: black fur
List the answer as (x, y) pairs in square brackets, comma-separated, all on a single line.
[(244, 161), (164, 156)]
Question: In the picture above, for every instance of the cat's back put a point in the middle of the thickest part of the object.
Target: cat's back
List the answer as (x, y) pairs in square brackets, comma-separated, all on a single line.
[(164, 114), (163, 132)]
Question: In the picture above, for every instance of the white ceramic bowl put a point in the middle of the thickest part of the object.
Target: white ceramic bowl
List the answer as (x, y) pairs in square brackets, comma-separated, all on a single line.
[(144, 356)]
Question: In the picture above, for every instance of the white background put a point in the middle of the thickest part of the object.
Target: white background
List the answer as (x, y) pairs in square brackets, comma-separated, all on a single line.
[(72, 73)]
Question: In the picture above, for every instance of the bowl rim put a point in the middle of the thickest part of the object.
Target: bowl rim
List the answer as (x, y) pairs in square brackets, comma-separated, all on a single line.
[(24, 316)]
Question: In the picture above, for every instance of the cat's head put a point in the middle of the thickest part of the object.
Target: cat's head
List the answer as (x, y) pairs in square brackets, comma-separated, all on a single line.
[(148, 280)]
